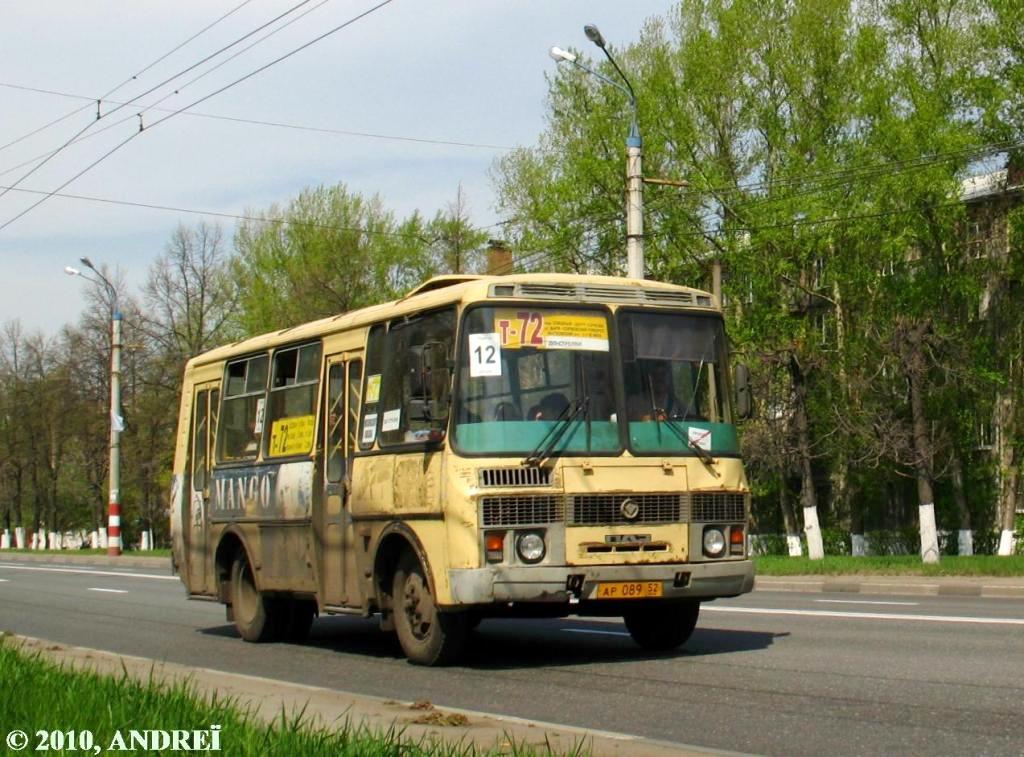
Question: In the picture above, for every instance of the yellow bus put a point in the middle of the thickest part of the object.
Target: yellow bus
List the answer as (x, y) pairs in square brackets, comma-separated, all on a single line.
[(533, 445)]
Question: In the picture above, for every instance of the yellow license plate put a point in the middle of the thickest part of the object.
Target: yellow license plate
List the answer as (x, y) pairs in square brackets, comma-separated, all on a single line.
[(629, 590)]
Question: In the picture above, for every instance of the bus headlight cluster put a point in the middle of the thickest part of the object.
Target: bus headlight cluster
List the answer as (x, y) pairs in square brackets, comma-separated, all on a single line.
[(530, 546), (714, 542)]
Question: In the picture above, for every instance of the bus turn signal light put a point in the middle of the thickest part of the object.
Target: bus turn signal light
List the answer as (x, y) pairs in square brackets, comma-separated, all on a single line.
[(736, 540), (494, 544)]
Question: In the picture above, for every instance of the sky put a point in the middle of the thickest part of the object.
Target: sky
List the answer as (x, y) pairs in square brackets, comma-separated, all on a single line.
[(412, 73)]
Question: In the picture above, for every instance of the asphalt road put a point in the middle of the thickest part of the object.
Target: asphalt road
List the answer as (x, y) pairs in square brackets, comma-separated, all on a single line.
[(767, 673)]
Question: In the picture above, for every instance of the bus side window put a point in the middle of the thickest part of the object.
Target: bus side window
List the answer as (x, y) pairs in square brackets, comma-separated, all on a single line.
[(200, 440), (371, 388), (336, 423), (355, 374), (414, 396), (290, 412), (238, 437)]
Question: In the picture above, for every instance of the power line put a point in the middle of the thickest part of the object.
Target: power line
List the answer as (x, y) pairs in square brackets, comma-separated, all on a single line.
[(249, 75), (143, 94), (126, 81), (274, 124), (214, 213)]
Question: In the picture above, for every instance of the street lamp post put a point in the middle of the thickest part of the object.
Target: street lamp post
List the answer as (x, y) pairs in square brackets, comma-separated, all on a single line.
[(634, 154), (116, 422)]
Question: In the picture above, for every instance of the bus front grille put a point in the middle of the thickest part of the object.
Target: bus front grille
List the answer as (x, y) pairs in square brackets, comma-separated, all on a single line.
[(613, 509), (718, 506), (518, 511), (622, 508)]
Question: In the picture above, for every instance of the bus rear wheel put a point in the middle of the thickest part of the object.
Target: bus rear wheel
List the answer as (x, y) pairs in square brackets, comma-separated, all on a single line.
[(660, 628), (427, 635), (257, 617)]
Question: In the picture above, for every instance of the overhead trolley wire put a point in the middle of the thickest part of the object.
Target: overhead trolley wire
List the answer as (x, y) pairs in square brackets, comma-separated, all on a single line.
[(143, 94), (241, 79), (258, 122)]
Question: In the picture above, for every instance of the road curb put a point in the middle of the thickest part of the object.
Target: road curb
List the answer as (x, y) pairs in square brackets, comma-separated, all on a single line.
[(270, 698)]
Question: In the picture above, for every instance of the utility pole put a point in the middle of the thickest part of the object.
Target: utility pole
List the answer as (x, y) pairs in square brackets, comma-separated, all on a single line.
[(116, 421)]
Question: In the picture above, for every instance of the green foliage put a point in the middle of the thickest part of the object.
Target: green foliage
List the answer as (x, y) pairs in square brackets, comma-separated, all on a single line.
[(891, 565), (54, 698), (825, 144)]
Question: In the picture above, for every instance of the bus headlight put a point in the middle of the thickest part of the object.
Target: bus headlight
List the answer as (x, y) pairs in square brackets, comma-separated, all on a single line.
[(714, 542), (530, 547)]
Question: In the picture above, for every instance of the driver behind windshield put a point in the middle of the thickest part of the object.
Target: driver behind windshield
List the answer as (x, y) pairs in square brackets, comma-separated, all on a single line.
[(654, 398)]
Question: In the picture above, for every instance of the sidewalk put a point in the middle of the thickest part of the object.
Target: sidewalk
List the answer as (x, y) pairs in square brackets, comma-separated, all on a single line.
[(963, 586)]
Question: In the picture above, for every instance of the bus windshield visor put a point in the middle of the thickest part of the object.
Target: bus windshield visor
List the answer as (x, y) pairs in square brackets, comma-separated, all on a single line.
[(676, 398), (535, 378)]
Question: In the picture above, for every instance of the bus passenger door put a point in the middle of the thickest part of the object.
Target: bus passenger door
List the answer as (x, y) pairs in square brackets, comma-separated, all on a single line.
[(341, 413), (204, 422)]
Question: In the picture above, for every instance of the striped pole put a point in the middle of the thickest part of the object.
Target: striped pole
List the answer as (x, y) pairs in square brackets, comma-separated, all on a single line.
[(116, 425)]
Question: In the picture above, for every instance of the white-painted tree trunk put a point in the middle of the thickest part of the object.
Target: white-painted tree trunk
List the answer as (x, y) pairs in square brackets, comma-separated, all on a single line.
[(41, 539), (858, 545), (815, 547), (19, 537), (144, 546), (94, 540), (965, 541), (929, 536), (103, 538), (793, 543), (53, 540), (5, 540), (1006, 543)]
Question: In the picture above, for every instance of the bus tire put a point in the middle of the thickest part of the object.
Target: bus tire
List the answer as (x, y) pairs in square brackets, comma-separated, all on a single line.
[(257, 617), (661, 628), (427, 635)]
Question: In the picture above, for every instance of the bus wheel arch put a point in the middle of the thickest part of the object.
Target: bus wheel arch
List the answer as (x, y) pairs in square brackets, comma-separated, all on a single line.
[(395, 540), (230, 545)]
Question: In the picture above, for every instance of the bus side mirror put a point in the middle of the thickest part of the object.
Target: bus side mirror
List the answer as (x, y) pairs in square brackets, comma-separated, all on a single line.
[(744, 402)]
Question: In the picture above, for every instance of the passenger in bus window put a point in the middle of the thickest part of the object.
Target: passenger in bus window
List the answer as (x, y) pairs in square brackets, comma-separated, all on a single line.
[(507, 411), (550, 408)]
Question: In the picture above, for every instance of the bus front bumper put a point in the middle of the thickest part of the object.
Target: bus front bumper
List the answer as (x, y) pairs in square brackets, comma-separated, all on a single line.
[(567, 583)]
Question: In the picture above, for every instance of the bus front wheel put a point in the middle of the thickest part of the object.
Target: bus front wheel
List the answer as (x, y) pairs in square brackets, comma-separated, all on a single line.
[(660, 628), (427, 635), (257, 617)]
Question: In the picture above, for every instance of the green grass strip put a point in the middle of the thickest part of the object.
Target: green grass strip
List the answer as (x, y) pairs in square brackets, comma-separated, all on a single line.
[(40, 695), (897, 565)]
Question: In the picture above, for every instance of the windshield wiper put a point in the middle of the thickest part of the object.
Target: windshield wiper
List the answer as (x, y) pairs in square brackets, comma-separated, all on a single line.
[(684, 434), (554, 435)]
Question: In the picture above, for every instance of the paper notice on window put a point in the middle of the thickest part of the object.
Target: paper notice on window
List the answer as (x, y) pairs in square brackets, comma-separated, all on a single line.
[(700, 437), (261, 406), (392, 420), (484, 355), (373, 388), (552, 330), (369, 428)]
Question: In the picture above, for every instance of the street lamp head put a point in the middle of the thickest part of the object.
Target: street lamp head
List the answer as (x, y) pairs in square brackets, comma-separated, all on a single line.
[(558, 55), (87, 263), (594, 35), (72, 271)]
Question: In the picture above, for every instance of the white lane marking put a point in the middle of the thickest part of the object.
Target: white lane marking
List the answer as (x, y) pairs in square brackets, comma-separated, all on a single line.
[(589, 630), (869, 615), (109, 591), (866, 602), (8, 566), (3, 580)]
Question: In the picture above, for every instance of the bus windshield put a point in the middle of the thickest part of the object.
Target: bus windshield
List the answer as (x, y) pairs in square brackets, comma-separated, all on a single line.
[(676, 399), (535, 376)]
